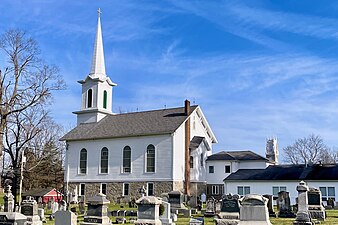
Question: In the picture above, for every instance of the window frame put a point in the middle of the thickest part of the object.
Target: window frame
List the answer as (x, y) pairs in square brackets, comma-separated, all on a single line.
[(191, 162), (215, 190), (327, 195), (90, 98), (101, 161), (101, 188), (225, 168), (152, 189), (243, 190), (83, 161), (82, 189), (211, 170), (279, 189), (105, 99), (126, 187), (202, 160), (147, 158), (124, 169)]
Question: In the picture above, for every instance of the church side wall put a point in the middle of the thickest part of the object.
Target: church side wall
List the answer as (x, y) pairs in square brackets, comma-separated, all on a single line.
[(178, 163), (115, 189), (163, 162)]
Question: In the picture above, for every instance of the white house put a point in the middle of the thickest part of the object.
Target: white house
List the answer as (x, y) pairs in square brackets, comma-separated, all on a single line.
[(117, 154), (277, 178), (224, 163)]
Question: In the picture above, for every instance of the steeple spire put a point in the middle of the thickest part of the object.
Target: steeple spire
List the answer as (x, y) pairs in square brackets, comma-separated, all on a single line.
[(98, 69)]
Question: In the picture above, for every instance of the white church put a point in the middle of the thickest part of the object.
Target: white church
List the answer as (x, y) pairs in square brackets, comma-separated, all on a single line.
[(167, 149), (117, 154)]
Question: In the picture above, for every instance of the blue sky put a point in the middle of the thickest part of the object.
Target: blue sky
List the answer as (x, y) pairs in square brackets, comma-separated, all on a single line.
[(257, 68)]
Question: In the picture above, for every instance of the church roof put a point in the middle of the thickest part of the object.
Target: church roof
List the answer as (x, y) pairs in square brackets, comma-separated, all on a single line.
[(236, 155), (287, 172), (163, 121)]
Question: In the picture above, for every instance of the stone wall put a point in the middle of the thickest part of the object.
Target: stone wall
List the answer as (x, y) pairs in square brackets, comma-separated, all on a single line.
[(115, 189)]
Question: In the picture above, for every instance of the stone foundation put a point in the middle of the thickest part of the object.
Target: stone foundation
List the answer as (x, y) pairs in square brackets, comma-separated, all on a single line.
[(198, 188), (115, 189)]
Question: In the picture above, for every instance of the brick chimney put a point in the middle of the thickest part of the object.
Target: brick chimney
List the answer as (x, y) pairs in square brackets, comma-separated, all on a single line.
[(187, 150)]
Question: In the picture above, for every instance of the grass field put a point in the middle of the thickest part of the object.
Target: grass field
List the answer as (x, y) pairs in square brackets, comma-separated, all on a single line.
[(332, 218)]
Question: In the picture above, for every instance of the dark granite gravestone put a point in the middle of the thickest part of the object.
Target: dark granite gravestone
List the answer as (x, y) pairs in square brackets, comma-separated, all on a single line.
[(315, 205), (29, 208), (284, 206), (176, 200), (229, 210), (270, 206), (97, 211)]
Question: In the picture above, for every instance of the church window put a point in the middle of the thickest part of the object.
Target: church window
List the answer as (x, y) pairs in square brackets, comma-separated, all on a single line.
[(202, 160), (150, 159), (82, 189), (125, 189), (150, 189), (104, 188), (211, 169), (89, 98), (83, 161), (104, 160), (191, 162), (126, 159), (104, 99)]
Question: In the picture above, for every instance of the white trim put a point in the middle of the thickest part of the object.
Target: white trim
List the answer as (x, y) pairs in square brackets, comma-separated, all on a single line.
[(123, 187), (79, 162), (121, 168), (148, 188), (80, 189), (100, 157), (145, 160), (101, 188)]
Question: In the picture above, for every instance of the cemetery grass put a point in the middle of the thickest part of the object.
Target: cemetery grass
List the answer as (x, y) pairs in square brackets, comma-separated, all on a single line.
[(332, 218)]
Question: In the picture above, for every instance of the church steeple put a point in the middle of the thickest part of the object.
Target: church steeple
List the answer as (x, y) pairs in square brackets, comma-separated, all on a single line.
[(97, 88), (98, 69)]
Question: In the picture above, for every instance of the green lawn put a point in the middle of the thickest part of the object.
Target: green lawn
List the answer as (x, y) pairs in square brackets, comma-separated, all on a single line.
[(332, 218)]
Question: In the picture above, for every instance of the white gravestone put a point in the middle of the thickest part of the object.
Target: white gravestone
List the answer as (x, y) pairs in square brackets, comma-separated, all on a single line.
[(165, 218)]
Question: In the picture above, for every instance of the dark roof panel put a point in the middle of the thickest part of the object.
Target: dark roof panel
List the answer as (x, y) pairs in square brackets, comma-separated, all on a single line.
[(236, 155), (287, 172), (163, 121)]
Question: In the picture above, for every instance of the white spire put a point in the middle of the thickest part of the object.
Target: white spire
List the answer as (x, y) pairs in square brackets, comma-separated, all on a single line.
[(98, 67)]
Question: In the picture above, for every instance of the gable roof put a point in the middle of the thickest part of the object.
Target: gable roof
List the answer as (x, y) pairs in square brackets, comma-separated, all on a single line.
[(154, 122), (236, 155), (287, 172), (39, 192)]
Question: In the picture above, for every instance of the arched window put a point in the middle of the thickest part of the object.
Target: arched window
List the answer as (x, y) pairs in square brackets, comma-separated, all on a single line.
[(126, 159), (83, 161), (89, 98), (104, 99), (150, 159), (104, 160), (191, 162)]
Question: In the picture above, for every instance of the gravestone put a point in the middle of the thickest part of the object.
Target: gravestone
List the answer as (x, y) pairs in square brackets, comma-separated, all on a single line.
[(63, 205), (8, 200), (284, 206), (210, 208), (148, 210), (193, 202), (254, 210), (49, 203), (176, 200), (196, 221), (270, 206), (97, 212), (316, 208), (218, 205), (303, 216), (65, 218), (40, 202), (203, 198), (41, 213), (55, 208), (29, 208), (165, 217), (229, 214), (73, 197), (12, 218)]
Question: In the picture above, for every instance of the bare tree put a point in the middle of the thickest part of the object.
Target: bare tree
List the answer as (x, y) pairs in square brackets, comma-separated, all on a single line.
[(26, 80), (309, 150)]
